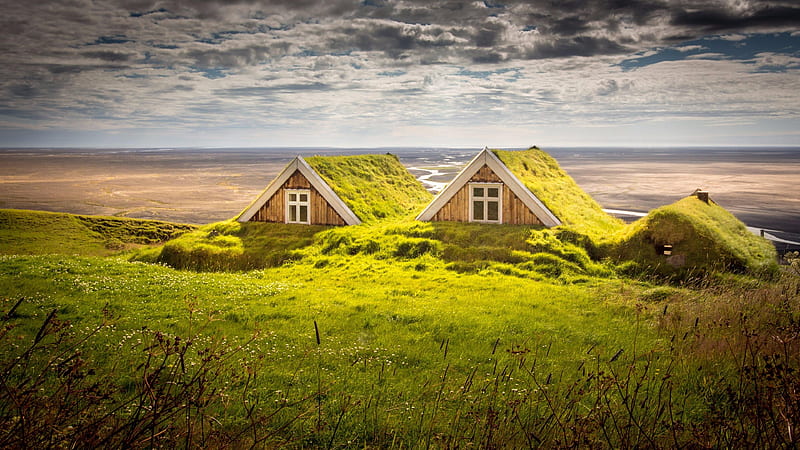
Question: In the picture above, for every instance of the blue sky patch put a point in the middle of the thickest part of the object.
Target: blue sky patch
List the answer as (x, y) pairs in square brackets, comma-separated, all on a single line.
[(210, 73), (743, 47), (395, 73)]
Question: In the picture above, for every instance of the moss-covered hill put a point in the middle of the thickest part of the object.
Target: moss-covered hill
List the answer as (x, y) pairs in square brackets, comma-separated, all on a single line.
[(373, 186), (701, 236), (541, 174), (38, 232)]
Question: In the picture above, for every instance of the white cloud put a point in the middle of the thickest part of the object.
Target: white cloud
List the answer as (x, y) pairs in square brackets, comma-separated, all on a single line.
[(733, 37), (708, 56), (689, 48)]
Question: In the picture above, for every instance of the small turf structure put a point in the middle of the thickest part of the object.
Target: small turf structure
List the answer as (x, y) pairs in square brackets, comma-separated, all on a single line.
[(691, 236)]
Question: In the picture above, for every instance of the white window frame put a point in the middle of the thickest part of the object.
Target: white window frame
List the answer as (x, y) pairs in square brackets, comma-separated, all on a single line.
[(297, 203), (485, 199)]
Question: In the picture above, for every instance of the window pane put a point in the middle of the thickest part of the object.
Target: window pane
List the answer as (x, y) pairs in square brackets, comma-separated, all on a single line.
[(492, 212), (303, 213), (492, 192), (292, 197), (303, 197), (292, 213), (477, 192), (477, 210)]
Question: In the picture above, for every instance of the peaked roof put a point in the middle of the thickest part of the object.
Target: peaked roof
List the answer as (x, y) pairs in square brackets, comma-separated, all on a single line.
[(299, 164), (486, 157)]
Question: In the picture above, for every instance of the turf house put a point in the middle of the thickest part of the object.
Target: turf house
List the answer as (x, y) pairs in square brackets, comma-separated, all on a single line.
[(338, 190), (486, 191)]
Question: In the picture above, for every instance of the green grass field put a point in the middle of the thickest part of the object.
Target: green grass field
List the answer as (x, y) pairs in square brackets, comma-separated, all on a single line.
[(394, 335)]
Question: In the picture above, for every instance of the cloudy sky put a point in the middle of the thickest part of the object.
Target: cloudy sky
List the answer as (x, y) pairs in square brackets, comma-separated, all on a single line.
[(367, 73)]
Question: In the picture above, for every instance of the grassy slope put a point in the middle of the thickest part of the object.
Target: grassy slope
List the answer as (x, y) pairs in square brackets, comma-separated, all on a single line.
[(707, 236), (373, 186), (409, 351), (559, 192), (38, 232), (231, 245), (389, 329)]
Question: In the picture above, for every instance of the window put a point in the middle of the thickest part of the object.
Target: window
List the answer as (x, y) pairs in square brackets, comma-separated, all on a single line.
[(664, 249), (297, 201), (485, 202)]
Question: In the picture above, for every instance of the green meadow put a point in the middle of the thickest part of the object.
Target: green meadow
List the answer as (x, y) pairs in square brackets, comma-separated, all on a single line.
[(392, 334)]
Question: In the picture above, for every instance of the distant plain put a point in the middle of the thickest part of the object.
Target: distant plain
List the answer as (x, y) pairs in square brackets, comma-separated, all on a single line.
[(198, 186)]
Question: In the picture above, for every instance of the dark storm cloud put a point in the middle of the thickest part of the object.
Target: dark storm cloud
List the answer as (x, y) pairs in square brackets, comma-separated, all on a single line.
[(489, 35), (714, 20), (577, 46), (23, 90), (58, 69), (391, 38), (405, 30), (220, 9), (110, 56), (232, 58)]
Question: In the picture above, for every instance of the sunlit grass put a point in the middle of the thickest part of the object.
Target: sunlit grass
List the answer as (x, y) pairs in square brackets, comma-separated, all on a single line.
[(38, 232), (373, 186), (429, 334), (575, 208)]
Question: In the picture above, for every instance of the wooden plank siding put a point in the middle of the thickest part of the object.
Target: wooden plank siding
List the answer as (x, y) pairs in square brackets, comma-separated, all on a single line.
[(274, 210), (514, 210)]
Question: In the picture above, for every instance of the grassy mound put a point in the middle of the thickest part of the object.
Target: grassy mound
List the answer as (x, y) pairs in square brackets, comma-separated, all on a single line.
[(541, 174), (517, 250), (232, 245), (373, 186), (38, 232), (703, 236)]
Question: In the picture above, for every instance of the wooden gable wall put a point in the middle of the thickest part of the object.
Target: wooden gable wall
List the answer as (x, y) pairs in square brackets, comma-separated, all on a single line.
[(514, 211), (274, 210)]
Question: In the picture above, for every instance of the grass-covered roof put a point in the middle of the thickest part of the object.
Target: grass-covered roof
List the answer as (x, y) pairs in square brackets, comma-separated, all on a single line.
[(702, 235), (373, 186), (542, 175)]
